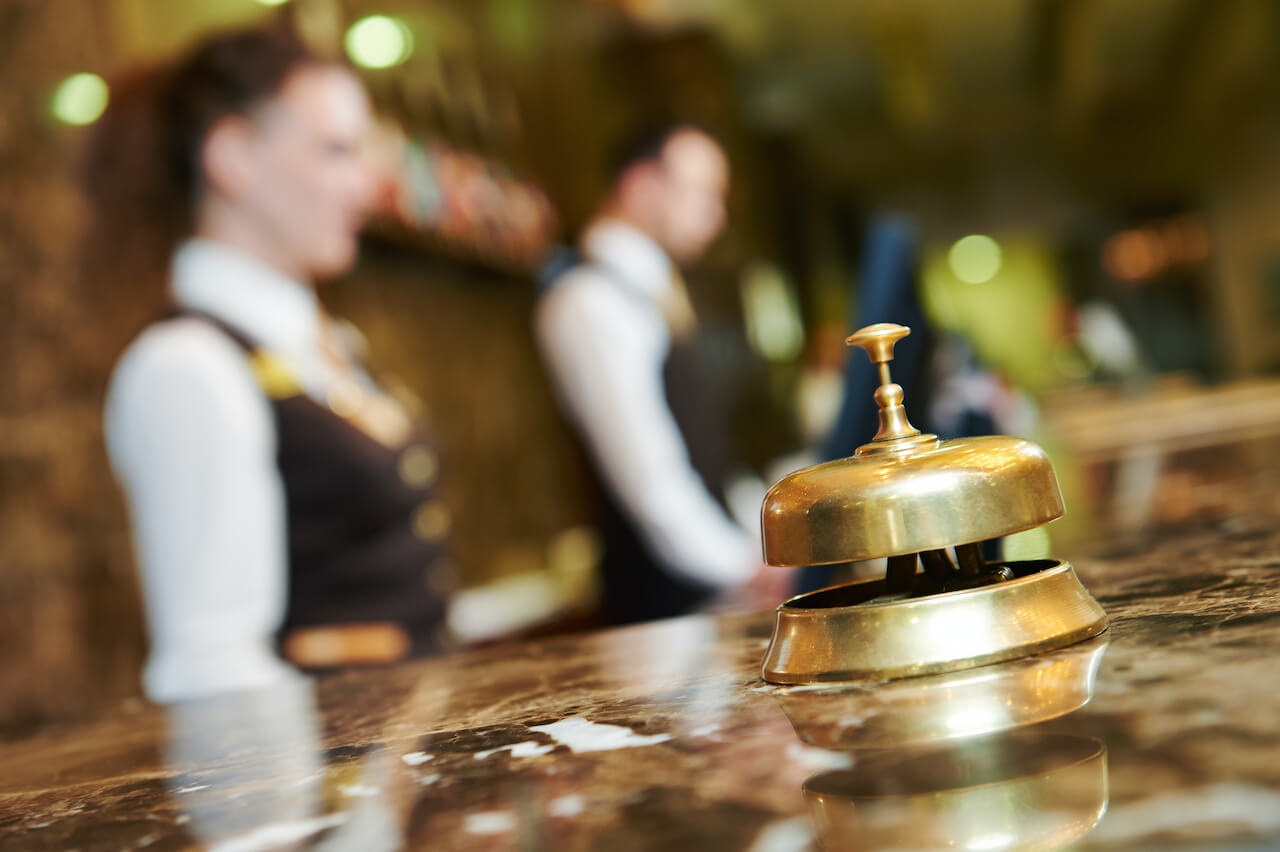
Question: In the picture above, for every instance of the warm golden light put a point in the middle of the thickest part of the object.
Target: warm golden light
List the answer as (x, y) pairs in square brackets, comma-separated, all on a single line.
[(1133, 255)]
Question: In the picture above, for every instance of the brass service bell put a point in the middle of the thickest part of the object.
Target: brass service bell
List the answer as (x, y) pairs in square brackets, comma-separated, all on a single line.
[(915, 500)]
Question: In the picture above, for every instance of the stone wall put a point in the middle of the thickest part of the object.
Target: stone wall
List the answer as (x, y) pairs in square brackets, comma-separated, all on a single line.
[(70, 634)]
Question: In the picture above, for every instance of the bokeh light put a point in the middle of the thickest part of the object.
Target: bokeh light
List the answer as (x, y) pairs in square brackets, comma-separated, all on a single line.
[(1139, 255), (975, 259), (379, 41), (774, 326), (80, 99), (1134, 254), (272, 2)]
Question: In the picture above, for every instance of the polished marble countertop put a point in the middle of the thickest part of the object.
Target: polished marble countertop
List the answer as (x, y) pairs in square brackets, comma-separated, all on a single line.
[(1163, 733)]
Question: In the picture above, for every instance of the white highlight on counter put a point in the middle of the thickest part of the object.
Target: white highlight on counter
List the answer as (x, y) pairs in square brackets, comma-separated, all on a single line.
[(812, 757), (567, 806), (353, 791), (582, 735), (277, 834), (490, 822), (524, 749)]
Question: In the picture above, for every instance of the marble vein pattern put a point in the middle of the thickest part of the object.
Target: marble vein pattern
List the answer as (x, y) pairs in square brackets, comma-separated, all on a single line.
[(1164, 733)]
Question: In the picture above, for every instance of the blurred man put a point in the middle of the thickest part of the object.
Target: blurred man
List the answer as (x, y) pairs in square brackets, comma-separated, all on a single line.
[(614, 330)]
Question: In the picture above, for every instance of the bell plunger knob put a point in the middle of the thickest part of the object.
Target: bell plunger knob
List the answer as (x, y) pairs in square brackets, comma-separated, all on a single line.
[(878, 341)]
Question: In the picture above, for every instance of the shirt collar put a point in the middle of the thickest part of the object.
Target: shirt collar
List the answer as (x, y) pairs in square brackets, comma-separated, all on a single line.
[(630, 253), (266, 305)]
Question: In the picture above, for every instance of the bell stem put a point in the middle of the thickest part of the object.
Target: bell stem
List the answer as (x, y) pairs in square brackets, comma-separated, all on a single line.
[(970, 558), (900, 574), (937, 564)]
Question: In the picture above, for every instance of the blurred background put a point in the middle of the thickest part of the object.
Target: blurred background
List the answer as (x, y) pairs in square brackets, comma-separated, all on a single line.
[(1089, 193)]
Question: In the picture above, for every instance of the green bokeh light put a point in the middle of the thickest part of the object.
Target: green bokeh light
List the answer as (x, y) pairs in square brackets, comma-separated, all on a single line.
[(379, 41), (80, 99), (975, 259)]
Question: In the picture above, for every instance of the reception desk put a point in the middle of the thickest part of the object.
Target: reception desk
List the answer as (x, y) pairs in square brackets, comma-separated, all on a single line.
[(1164, 732)]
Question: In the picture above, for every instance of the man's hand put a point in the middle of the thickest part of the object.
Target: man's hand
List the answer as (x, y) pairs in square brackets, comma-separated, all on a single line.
[(767, 588)]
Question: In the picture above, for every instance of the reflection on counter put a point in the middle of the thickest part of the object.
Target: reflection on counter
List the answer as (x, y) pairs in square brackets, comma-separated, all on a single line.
[(1004, 792), (249, 773), (946, 761), (949, 761)]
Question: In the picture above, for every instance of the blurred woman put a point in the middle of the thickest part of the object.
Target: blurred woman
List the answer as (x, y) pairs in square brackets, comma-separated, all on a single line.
[(281, 502)]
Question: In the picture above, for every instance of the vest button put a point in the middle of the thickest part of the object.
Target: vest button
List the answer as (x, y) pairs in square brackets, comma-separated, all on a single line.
[(345, 399), (432, 520), (418, 466)]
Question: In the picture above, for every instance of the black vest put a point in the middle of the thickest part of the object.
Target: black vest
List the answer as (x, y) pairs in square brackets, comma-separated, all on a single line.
[(365, 531), (636, 585)]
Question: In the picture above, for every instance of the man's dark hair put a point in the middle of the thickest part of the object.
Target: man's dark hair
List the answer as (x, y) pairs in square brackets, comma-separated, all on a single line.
[(644, 144)]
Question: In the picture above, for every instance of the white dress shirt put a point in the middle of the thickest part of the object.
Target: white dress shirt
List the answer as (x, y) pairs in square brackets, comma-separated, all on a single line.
[(192, 439), (605, 349)]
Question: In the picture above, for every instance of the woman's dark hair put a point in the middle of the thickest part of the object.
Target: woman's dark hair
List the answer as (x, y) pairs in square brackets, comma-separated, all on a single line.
[(141, 172)]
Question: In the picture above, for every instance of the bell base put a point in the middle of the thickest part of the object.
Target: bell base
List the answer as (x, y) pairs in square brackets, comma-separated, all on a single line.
[(844, 634), (918, 712)]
